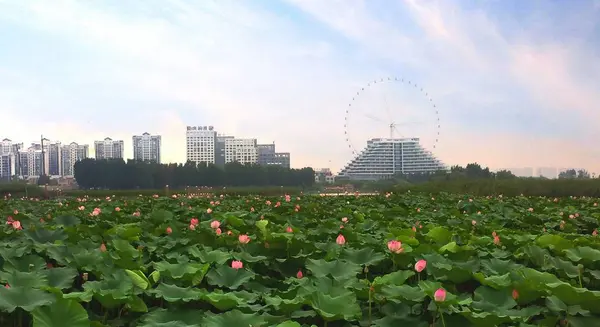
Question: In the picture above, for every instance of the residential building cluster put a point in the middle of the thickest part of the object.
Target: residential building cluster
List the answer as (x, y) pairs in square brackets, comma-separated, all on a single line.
[(54, 159), (205, 144)]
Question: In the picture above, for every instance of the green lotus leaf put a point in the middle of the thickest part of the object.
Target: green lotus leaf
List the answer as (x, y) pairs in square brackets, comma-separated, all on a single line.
[(403, 293), (67, 220), (226, 276), (60, 277), (363, 256), (262, 226), (336, 308), (172, 318), (492, 300), (23, 297), (35, 279), (396, 278), (247, 257), (585, 254), (43, 236), (63, 312), (289, 323), (338, 269), (174, 293), (206, 255), (138, 278), (233, 318), (136, 304), (440, 235), (227, 301), (553, 241)]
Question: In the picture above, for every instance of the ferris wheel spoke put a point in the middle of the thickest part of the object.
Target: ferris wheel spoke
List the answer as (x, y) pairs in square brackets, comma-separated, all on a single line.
[(375, 118)]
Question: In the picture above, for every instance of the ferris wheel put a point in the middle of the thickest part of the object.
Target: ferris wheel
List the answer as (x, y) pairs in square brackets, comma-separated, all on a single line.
[(391, 107)]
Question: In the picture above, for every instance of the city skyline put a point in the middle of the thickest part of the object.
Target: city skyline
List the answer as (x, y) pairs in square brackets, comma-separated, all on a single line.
[(512, 86)]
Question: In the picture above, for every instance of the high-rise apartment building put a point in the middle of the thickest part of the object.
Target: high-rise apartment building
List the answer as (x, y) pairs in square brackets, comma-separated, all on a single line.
[(267, 156), (70, 154), (108, 149), (9, 159), (33, 162), (146, 147), (200, 144), (53, 151)]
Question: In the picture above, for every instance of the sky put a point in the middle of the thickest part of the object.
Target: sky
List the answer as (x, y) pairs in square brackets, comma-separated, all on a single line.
[(514, 83)]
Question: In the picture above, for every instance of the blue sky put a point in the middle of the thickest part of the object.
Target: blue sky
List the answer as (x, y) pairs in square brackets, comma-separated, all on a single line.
[(515, 82)]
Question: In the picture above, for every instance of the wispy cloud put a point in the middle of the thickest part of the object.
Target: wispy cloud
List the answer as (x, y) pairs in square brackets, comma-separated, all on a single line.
[(511, 87)]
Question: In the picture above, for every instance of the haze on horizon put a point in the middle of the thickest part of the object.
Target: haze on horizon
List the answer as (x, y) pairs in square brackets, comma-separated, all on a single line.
[(516, 82)]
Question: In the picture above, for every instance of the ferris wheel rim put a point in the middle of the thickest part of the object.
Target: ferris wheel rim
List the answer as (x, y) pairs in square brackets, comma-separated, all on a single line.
[(419, 88)]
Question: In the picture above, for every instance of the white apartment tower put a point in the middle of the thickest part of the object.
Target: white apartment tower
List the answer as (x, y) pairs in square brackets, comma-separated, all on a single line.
[(108, 149), (200, 144), (33, 162), (70, 154), (146, 147), (243, 151)]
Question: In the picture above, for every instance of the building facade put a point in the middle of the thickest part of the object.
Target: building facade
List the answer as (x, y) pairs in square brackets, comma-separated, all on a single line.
[(146, 147), (267, 156), (108, 149), (53, 151), (384, 158), (243, 151), (33, 162), (70, 154), (200, 144), (220, 149)]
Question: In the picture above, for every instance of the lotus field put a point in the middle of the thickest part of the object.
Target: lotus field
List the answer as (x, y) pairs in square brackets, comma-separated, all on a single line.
[(227, 261)]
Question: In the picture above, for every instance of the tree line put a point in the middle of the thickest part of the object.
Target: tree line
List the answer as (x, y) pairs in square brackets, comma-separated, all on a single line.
[(118, 174)]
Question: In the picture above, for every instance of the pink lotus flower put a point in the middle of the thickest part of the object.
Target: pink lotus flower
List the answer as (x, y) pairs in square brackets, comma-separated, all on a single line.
[(215, 224), (102, 247), (194, 221), (289, 229), (473, 222), (340, 240), (420, 265), (235, 264), (244, 239), (440, 295), (395, 246), (169, 230), (595, 232), (497, 240), (16, 212), (136, 214), (515, 294), (299, 274), (192, 227), (6, 286), (209, 210), (17, 225), (345, 220), (117, 209), (218, 231)]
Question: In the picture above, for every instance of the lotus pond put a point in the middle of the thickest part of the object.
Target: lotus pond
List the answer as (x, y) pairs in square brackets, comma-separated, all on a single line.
[(212, 261)]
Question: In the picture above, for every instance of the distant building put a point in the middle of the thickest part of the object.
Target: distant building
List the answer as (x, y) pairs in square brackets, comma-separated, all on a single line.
[(9, 159), (241, 150), (53, 151), (146, 147), (70, 154), (33, 162), (384, 158), (267, 156), (109, 149), (324, 175), (200, 144), (220, 149)]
